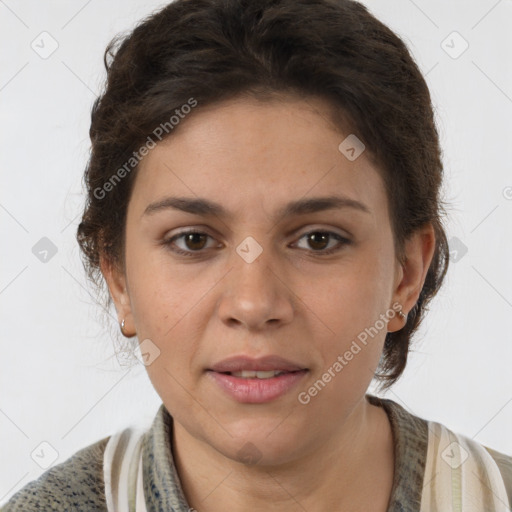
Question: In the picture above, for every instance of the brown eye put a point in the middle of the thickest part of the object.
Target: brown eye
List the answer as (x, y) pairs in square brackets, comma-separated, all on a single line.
[(318, 241), (192, 242)]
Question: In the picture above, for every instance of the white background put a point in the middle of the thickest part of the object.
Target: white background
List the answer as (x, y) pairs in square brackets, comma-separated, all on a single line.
[(60, 380)]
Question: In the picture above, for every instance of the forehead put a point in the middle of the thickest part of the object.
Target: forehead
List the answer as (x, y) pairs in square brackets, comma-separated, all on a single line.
[(248, 153)]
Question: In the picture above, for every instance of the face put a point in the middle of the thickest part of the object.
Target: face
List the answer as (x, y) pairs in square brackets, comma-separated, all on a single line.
[(251, 282)]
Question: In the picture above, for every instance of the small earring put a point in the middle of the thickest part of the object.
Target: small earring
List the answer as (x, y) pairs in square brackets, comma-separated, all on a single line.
[(122, 329), (402, 314)]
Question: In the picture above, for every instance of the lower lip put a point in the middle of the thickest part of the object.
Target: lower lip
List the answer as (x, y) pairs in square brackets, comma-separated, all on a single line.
[(257, 391)]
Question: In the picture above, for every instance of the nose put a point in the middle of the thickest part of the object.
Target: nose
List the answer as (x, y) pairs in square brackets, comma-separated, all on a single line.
[(254, 294)]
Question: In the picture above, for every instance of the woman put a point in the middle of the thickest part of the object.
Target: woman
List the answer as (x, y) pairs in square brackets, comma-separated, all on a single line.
[(264, 206)]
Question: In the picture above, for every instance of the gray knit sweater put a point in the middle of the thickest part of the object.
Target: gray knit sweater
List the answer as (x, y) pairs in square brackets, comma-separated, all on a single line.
[(77, 483)]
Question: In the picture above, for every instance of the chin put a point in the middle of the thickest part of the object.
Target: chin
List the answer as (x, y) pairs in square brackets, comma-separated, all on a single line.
[(257, 447)]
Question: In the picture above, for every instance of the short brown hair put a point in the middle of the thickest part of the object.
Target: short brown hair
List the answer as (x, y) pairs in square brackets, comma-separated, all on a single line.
[(213, 50)]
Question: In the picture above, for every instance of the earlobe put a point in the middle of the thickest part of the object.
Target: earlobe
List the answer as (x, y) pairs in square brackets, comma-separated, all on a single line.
[(419, 251), (116, 282)]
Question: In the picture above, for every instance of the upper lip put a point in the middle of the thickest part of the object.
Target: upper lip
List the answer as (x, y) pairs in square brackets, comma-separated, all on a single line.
[(267, 363)]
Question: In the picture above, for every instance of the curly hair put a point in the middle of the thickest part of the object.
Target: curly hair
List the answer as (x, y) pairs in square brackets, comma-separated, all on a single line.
[(214, 50)]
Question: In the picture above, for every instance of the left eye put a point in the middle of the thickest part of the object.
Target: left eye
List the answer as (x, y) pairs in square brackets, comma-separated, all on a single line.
[(191, 238), (318, 239), (195, 241)]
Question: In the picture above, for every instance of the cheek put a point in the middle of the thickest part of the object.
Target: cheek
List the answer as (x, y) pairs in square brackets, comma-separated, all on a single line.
[(348, 306), (355, 291), (159, 295), (167, 306)]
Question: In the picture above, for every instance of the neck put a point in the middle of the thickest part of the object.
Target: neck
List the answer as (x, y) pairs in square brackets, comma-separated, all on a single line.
[(354, 466)]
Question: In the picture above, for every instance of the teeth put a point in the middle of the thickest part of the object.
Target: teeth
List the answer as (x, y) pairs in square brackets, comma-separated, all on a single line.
[(249, 374)]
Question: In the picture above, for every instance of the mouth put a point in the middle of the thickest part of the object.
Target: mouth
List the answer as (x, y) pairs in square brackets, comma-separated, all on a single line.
[(258, 374), (249, 380), (256, 386)]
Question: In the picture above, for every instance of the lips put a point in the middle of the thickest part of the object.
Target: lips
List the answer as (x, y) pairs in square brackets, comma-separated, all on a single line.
[(257, 390), (262, 364)]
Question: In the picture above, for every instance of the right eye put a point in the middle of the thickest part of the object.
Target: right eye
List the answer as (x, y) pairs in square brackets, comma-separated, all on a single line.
[(195, 240)]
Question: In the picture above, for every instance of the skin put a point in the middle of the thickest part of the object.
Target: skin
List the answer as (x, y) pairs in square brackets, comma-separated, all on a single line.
[(252, 157)]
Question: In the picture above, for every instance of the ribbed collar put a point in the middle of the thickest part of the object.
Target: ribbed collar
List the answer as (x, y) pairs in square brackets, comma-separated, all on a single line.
[(410, 437), (162, 486)]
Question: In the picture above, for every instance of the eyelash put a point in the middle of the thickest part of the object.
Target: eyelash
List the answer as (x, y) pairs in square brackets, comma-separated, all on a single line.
[(344, 241)]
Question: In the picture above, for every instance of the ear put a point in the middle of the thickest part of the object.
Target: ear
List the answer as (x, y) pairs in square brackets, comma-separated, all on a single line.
[(410, 276), (116, 281)]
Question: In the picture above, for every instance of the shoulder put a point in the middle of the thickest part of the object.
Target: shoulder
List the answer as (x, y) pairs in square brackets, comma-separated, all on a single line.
[(504, 463), (468, 447), (75, 484), (484, 474), (439, 462)]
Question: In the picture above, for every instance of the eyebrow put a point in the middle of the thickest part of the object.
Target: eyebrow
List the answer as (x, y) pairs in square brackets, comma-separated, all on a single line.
[(206, 208)]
